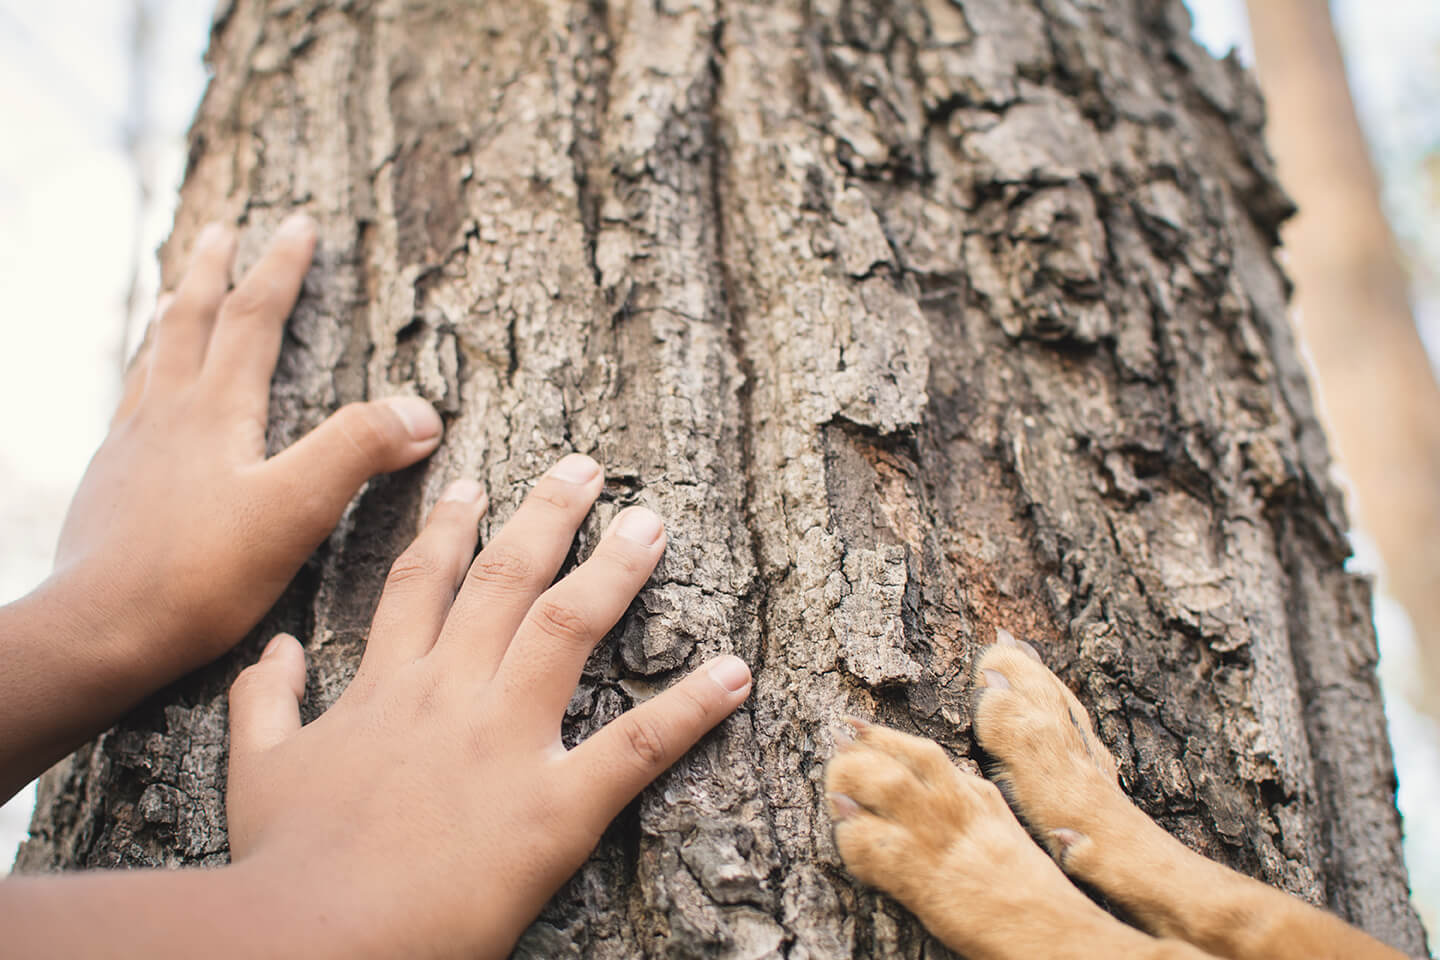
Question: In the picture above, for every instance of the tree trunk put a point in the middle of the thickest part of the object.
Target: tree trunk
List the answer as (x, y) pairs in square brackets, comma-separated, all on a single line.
[(912, 318), (1380, 398)]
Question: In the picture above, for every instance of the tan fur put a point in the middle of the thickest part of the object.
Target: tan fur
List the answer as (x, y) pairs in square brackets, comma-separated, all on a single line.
[(946, 844)]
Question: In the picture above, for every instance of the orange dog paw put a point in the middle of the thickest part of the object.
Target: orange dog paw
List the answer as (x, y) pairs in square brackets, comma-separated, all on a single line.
[(944, 843), (1047, 759)]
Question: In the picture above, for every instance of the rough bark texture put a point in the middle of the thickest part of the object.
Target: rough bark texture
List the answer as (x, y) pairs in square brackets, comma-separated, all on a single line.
[(913, 318)]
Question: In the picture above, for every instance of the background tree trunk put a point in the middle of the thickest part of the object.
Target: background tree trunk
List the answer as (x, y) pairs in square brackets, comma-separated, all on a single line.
[(1380, 398), (913, 319)]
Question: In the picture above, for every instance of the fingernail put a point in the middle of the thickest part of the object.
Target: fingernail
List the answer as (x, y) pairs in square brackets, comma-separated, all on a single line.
[(995, 679), (576, 468), (420, 419), (841, 806), (295, 226), (1029, 648), (638, 525), (274, 644), (463, 491), (731, 673), (1005, 638)]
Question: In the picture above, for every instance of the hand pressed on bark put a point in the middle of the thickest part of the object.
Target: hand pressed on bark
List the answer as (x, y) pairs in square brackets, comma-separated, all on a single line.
[(433, 809), (182, 534)]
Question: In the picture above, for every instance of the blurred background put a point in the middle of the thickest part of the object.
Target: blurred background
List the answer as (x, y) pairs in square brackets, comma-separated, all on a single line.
[(95, 147)]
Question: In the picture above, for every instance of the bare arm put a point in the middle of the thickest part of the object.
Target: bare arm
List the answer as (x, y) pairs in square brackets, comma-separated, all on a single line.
[(152, 913)]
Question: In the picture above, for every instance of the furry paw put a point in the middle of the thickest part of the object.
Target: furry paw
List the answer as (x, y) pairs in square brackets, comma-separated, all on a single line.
[(942, 842), (1047, 760)]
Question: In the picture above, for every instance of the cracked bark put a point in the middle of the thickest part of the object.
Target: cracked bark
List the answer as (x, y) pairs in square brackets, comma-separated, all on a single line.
[(914, 319)]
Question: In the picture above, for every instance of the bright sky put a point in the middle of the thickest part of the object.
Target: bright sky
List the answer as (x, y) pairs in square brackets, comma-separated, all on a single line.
[(69, 214), (71, 222)]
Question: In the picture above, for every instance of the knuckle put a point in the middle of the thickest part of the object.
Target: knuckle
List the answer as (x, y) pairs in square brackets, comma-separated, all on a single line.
[(412, 566), (249, 682), (646, 742), (181, 313), (503, 567), (692, 707), (628, 564), (551, 493), (363, 427), (249, 300), (561, 622)]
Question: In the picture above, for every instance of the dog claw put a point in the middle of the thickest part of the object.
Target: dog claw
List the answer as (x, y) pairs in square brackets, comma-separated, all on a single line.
[(994, 678), (841, 807), (1005, 638), (1063, 839)]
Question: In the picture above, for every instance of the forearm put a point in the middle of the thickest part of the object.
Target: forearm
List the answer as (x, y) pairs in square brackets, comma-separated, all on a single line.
[(222, 913), (65, 675)]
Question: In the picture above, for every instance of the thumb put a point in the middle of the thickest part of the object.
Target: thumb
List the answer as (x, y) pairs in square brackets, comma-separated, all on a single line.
[(265, 699), (628, 752), (323, 470)]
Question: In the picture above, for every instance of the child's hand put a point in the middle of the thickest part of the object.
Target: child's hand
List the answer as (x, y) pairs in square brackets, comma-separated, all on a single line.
[(182, 533), (433, 809)]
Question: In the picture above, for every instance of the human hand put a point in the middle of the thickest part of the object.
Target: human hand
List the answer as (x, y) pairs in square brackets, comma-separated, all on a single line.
[(433, 809), (182, 534)]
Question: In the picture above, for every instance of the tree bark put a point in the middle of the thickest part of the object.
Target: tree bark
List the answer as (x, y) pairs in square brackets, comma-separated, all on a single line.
[(913, 319)]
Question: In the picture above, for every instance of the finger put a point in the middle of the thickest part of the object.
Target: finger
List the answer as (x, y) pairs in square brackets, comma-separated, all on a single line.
[(544, 660), (265, 699), (138, 372), (248, 334), (519, 563), (630, 751), (311, 482), (182, 332), (422, 582)]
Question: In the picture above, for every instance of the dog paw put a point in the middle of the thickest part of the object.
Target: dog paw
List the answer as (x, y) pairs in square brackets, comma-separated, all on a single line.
[(1048, 761), (941, 841)]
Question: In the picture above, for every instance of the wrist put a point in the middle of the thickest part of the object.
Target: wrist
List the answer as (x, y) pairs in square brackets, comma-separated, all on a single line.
[(71, 668), (339, 899), (314, 907), (120, 630)]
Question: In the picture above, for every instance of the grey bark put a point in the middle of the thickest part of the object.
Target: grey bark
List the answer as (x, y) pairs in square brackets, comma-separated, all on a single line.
[(914, 319)]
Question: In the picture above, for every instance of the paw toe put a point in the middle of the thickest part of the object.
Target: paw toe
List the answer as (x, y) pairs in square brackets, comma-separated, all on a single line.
[(925, 758), (874, 780), (878, 852)]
